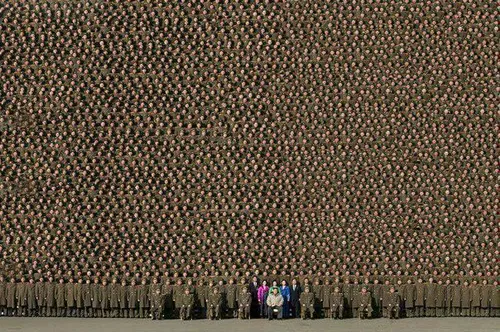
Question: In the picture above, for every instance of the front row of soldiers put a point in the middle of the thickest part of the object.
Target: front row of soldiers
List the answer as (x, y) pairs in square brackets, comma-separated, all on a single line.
[(217, 299)]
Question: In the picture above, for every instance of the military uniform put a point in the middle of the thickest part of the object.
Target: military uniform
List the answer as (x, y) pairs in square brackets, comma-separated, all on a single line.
[(325, 299), (41, 299), (430, 299), (347, 291), (486, 292), (420, 295), (87, 300), (157, 305), (244, 304), (307, 300), (114, 299), (201, 293), (475, 300), (123, 300), (187, 304), (456, 300), (80, 308), (466, 300), (3, 298), (104, 296), (95, 291), (337, 305), (133, 300), (143, 298), (31, 298), (393, 305), (214, 305), (10, 295), (60, 295), (440, 300), (409, 293), (22, 298), (70, 299), (177, 292), (50, 296), (166, 291), (231, 305), (365, 305), (377, 299)]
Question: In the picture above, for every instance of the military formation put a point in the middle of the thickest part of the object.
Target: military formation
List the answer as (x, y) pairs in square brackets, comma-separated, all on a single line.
[(151, 151), (220, 298)]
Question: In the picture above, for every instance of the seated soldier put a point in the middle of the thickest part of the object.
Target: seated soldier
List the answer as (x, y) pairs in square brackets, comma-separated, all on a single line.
[(393, 305), (307, 304), (244, 303), (365, 304), (274, 303), (187, 302), (337, 304), (157, 304), (214, 304)]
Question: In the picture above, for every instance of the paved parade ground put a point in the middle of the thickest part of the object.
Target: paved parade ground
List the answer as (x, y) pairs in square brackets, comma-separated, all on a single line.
[(350, 325)]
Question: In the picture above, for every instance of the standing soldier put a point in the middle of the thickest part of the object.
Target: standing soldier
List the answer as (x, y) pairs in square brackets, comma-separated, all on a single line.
[(307, 303), (316, 291), (21, 298), (60, 295), (325, 297), (41, 299), (31, 298), (365, 303), (386, 289), (50, 297), (87, 299), (95, 291), (133, 299), (166, 291), (409, 298), (143, 298), (377, 297), (456, 301), (177, 292), (393, 303), (104, 295), (420, 298), (80, 308), (10, 294), (157, 304), (123, 299), (337, 304), (475, 299), (466, 299), (440, 298), (3, 297), (244, 304), (70, 298), (187, 303), (485, 295), (201, 297), (114, 298), (494, 299), (230, 293), (214, 304), (449, 299), (347, 290), (430, 299)]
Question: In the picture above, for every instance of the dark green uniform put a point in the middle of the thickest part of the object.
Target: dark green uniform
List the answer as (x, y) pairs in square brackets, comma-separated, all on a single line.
[(393, 305), (187, 304), (337, 305), (244, 305), (214, 305), (307, 301)]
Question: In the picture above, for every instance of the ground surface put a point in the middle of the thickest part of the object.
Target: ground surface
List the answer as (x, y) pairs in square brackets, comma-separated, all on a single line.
[(125, 325)]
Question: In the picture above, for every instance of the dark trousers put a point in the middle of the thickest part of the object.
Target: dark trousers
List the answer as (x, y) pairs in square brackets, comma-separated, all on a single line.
[(430, 312), (295, 309), (263, 309), (270, 312)]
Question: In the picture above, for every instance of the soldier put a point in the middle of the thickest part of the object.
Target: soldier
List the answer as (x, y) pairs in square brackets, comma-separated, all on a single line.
[(409, 293), (420, 295), (143, 298), (123, 299), (157, 304), (177, 292), (70, 298), (430, 298), (494, 299), (133, 299), (187, 304), (50, 298), (337, 304), (169, 301), (3, 297), (356, 290), (466, 299), (365, 304), (449, 298), (31, 298), (41, 300), (347, 291), (377, 298), (316, 290), (80, 308), (325, 298), (440, 299), (104, 296), (475, 299), (393, 303), (10, 294), (307, 304), (244, 304), (214, 304), (485, 295), (22, 298), (230, 292), (60, 295), (114, 298), (95, 291), (456, 299), (386, 288), (87, 299)]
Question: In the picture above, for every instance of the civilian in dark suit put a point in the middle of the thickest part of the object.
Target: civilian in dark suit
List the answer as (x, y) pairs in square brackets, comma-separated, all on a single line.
[(295, 291), (254, 290)]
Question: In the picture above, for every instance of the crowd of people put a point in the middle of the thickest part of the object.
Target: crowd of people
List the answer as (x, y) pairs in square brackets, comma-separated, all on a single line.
[(176, 140), (217, 298)]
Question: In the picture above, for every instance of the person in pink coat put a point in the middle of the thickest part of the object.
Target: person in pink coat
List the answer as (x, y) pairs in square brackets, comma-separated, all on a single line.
[(262, 297)]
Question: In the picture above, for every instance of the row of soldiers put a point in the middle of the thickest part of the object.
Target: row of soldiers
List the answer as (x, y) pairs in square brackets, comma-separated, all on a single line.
[(216, 299)]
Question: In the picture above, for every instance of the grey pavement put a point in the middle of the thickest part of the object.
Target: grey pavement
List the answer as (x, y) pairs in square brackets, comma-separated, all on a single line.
[(12, 324)]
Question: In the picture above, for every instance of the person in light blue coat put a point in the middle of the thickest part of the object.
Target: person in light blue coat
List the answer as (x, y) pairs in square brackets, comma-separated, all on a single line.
[(285, 292)]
